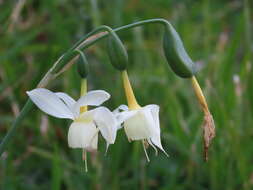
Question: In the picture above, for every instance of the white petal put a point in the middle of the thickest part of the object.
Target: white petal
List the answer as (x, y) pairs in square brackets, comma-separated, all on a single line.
[(139, 126), (50, 103), (156, 139), (107, 123), (123, 116), (67, 99), (120, 108), (83, 135), (154, 110), (92, 98), (118, 112)]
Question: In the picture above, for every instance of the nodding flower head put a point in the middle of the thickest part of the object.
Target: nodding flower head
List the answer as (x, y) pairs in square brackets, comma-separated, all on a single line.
[(83, 132), (140, 123)]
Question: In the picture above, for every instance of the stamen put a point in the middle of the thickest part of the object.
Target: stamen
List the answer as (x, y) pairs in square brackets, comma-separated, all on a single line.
[(84, 157), (107, 146), (143, 143), (156, 151)]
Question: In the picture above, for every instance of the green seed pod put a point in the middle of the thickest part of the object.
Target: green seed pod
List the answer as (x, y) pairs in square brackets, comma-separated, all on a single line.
[(175, 53), (82, 65), (117, 52)]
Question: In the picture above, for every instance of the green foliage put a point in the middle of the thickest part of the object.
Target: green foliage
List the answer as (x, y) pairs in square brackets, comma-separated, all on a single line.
[(217, 35)]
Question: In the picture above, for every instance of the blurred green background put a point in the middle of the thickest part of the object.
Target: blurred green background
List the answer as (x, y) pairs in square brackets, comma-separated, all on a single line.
[(217, 35)]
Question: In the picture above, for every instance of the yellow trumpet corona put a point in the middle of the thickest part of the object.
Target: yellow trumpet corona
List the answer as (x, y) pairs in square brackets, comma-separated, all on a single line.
[(131, 100), (83, 92)]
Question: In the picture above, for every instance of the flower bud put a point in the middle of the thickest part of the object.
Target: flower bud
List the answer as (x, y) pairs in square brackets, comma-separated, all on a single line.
[(175, 53), (82, 65), (117, 52)]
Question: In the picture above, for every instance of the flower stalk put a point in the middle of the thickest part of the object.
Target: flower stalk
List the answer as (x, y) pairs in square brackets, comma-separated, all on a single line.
[(208, 126), (200, 95)]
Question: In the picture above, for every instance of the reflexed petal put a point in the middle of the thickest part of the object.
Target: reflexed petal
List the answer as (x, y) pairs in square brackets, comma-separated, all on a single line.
[(107, 123), (155, 113), (139, 126), (156, 139), (67, 99), (83, 135), (92, 98), (50, 103)]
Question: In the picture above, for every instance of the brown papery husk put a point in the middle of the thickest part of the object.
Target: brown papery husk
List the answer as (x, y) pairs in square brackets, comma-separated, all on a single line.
[(208, 133)]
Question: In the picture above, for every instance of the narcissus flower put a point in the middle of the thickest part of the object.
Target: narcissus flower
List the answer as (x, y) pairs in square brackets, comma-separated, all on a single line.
[(141, 124), (83, 132)]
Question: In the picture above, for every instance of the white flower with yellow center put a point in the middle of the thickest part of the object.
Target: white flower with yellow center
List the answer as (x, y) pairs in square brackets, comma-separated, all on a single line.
[(83, 132), (140, 123)]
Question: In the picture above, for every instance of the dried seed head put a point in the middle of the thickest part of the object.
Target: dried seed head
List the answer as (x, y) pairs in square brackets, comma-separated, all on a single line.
[(208, 126), (208, 133)]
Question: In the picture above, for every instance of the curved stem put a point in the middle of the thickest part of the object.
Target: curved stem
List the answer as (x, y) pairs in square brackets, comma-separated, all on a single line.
[(70, 53), (122, 28), (64, 59)]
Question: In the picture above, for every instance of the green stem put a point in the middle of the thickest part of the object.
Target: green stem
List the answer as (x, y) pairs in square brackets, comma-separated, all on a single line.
[(70, 53), (63, 60), (122, 28), (25, 110)]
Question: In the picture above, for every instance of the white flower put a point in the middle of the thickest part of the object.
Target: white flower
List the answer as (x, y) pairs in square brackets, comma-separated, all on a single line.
[(83, 132), (141, 124)]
